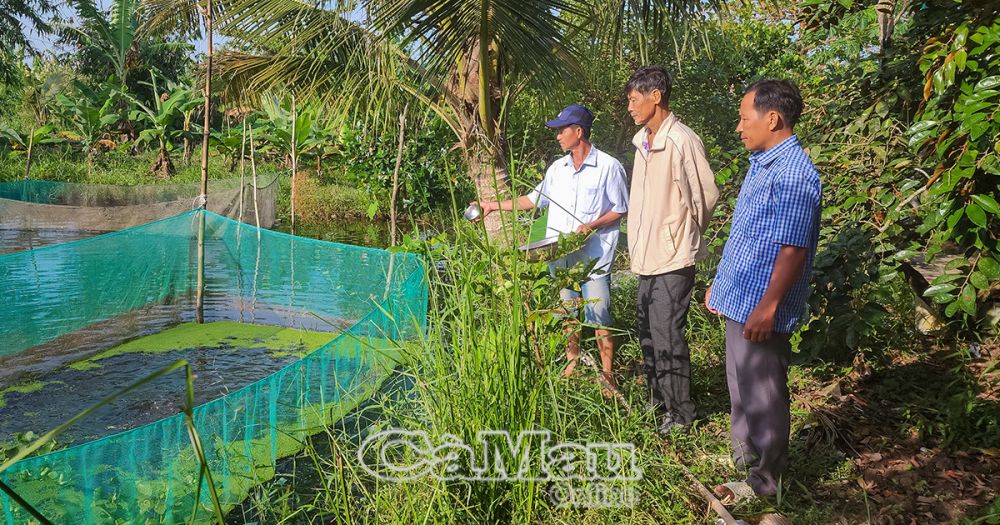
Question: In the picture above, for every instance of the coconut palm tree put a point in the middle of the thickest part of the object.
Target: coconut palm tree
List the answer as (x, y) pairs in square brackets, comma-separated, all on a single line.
[(463, 60)]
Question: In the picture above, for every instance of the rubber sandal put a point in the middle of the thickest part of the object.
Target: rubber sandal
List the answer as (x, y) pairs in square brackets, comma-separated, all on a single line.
[(734, 492)]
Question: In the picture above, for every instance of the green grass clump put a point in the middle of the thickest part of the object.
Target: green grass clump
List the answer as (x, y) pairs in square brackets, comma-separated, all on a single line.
[(325, 203), (63, 164)]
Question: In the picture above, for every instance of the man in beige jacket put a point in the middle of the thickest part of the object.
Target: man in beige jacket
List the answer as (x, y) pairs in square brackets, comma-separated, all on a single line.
[(670, 203)]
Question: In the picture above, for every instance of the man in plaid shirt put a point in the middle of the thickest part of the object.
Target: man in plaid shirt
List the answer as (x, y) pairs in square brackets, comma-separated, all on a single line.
[(762, 283)]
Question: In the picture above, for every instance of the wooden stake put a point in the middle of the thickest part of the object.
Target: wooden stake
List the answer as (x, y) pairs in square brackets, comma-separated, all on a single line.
[(253, 174), (713, 502), (243, 167)]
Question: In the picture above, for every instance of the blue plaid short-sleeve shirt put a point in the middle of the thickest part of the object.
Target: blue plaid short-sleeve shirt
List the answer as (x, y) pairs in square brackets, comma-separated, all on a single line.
[(779, 204)]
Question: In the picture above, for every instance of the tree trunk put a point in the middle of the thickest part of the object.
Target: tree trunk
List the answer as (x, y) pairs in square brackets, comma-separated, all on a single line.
[(886, 23), (482, 139), (163, 167), (492, 184), (187, 141), (31, 147)]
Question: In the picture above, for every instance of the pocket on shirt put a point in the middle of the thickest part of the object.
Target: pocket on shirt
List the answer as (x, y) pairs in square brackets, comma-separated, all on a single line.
[(591, 199), (669, 240)]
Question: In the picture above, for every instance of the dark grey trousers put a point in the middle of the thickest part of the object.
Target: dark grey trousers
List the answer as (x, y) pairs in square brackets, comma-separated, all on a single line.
[(663, 302), (757, 374)]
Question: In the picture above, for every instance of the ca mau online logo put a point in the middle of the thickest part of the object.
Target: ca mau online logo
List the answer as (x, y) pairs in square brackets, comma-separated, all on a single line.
[(580, 474)]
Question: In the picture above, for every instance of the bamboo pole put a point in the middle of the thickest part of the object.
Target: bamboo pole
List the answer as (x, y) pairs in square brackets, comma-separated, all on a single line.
[(256, 212), (253, 174), (243, 167), (395, 177), (295, 160), (200, 300), (239, 230), (207, 14)]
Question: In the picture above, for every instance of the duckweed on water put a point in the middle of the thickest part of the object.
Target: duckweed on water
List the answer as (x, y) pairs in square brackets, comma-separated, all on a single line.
[(25, 388), (224, 335)]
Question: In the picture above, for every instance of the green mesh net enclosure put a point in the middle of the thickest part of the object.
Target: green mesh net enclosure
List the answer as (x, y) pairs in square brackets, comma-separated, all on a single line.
[(47, 205), (291, 335)]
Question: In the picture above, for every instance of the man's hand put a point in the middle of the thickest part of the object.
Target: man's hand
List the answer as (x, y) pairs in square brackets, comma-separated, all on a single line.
[(488, 207), (584, 229), (787, 268), (708, 295), (760, 324)]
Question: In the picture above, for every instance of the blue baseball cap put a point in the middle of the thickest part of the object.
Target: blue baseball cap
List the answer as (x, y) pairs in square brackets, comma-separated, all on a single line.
[(572, 114)]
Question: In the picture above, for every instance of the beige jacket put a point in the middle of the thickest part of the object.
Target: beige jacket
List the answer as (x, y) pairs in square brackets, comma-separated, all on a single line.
[(671, 200)]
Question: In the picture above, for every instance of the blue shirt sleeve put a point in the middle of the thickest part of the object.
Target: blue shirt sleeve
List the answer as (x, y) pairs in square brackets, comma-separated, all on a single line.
[(616, 190), (796, 191)]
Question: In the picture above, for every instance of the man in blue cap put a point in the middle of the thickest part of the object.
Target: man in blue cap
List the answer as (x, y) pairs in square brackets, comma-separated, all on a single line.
[(585, 192)]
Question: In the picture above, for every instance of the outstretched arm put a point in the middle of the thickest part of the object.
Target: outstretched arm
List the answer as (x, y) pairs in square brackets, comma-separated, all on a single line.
[(521, 203)]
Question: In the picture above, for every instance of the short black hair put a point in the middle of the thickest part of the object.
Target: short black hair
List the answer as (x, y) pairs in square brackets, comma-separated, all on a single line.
[(646, 79), (586, 130), (777, 95)]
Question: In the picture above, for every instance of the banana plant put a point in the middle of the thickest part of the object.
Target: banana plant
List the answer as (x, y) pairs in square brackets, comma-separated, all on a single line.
[(161, 120), (90, 115), (229, 144), (114, 36), (281, 120), (26, 143)]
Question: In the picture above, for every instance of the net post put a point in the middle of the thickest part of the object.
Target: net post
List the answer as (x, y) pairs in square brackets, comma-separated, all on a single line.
[(24, 504), (200, 298)]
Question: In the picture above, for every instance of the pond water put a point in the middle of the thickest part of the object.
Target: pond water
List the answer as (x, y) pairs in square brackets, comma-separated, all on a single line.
[(48, 384), (19, 240), (355, 232)]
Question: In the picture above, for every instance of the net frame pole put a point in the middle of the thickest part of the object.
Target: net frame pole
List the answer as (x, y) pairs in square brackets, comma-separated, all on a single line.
[(207, 14), (24, 504), (200, 298), (200, 306), (243, 165), (253, 175), (295, 160)]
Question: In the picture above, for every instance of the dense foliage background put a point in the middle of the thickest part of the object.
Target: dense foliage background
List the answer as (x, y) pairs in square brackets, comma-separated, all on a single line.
[(902, 119)]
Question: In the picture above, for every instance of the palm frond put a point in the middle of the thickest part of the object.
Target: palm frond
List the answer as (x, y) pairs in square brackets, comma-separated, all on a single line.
[(650, 25), (180, 17), (290, 45), (528, 36)]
